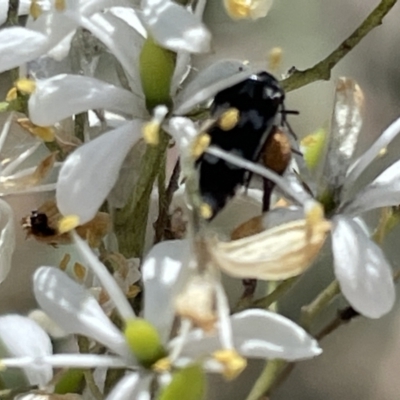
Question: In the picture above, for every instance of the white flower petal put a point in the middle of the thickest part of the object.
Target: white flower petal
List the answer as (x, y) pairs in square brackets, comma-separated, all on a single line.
[(364, 275), (129, 15), (182, 70), (174, 27), (345, 128), (108, 282), (22, 337), (367, 158), (124, 42), (90, 172), (75, 310), (132, 386), (259, 334), (209, 82), (7, 238), (74, 360), (381, 192), (19, 45), (165, 271), (64, 95)]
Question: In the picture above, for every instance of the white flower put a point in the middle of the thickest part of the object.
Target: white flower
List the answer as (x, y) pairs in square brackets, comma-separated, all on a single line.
[(55, 28), (253, 333), (361, 267)]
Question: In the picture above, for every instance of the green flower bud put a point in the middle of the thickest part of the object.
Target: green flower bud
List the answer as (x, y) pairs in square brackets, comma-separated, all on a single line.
[(144, 341), (156, 69), (188, 383)]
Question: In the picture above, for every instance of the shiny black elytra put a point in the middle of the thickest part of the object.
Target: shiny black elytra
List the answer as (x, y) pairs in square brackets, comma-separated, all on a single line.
[(258, 99)]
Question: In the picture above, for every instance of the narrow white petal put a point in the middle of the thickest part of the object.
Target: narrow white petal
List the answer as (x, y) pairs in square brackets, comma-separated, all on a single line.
[(90, 172), (259, 334), (345, 128), (182, 70), (74, 309), (164, 272), (64, 95), (7, 238), (388, 135), (19, 45), (84, 361), (364, 275), (66, 361), (174, 27), (125, 44), (383, 191), (209, 82), (15, 163), (22, 337), (108, 282), (129, 15), (132, 386)]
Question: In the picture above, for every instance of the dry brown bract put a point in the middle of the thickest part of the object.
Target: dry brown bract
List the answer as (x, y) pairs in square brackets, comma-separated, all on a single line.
[(42, 224)]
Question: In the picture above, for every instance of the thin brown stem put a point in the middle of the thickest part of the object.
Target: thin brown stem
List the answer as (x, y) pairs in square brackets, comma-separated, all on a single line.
[(322, 70)]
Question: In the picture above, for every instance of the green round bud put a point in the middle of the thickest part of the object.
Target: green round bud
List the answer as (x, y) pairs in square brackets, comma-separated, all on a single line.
[(144, 341), (188, 383)]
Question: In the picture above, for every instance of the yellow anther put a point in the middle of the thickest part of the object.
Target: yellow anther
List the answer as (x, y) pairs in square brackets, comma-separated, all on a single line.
[(232, 362), (79, 271), (229, 119), (238, 9), (68, 223), (275, 59), (162, 365), (64, 262), (35, 10), (46, 133), (26, 86), (206, 211), (382, 152), (133, 291), (59, 5), (11, 94), (151, 133), (315, 214), (2, 366), (200, 144)]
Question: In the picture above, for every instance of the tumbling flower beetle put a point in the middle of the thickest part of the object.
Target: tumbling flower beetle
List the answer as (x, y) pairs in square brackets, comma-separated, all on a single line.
[(245, 117)]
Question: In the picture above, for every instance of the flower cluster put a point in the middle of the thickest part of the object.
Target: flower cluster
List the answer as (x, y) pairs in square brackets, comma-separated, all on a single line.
[(107, 88)]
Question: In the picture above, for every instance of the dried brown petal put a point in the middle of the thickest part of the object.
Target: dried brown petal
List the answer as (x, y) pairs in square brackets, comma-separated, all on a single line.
[(278, 253)]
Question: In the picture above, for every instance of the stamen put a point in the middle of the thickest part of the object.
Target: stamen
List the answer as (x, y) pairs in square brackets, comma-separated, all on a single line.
[(68, 223), (206, 211), (200, 144), (11, 94), (229, 119), (232, 362), (26, 86), (151, 133), (35, 10), (60, 5), (275, 59)]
